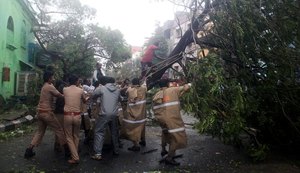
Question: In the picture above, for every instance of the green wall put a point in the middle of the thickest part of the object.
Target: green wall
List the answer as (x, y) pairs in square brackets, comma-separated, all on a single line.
[(14, 46)]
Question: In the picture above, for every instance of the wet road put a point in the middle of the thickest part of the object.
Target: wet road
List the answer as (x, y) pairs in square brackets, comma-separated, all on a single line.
[(204, 154)]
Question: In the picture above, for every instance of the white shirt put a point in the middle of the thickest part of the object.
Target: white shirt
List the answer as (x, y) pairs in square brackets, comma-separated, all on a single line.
[(88, 89), (95, 75)]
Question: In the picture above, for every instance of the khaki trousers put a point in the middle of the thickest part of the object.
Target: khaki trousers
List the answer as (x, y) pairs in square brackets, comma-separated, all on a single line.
[(72, 130), (46, 119)]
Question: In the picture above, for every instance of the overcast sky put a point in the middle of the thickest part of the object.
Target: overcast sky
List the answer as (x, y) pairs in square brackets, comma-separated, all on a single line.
[(136, 19)]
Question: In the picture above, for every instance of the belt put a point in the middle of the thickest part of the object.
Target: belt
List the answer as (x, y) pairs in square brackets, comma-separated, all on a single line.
[(72, 113)]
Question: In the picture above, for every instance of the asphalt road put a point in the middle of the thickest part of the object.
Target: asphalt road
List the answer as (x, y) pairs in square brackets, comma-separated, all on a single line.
[(204, 154)]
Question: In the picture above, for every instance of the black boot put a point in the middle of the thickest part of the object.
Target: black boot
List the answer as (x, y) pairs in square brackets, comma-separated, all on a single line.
[(171, 161), (29, 153), (163, 153), (143, 143)]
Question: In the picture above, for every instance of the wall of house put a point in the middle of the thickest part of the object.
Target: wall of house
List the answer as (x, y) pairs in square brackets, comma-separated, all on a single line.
[(14, 43)]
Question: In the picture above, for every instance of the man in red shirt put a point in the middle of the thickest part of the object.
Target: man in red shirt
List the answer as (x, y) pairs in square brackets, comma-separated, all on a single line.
[(146, 61)]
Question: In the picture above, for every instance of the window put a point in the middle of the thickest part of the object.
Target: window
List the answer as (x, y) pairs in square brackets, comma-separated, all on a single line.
[(10, 24), (10, 34)]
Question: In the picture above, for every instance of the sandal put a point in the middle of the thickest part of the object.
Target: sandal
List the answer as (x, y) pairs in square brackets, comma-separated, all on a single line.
[(96, 157)]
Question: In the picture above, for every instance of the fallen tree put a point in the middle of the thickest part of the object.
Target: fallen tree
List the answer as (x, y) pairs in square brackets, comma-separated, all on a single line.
[(249, 81)]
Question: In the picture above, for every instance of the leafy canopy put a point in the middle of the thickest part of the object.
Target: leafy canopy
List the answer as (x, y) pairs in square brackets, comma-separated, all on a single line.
[(78, 43)]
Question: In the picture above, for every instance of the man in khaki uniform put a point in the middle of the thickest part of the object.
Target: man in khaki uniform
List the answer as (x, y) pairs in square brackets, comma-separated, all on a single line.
[(166, 109), (74, 96), (45, 115), (135, 118)]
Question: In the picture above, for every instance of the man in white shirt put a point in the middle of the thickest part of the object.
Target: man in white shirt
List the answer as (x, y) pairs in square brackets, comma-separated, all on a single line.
[(98, 72)]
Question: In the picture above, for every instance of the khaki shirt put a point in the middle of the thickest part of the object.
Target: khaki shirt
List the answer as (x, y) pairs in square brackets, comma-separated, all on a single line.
[(167, 107), (136, 106), (136, 92), (73, 98), (46, 101)]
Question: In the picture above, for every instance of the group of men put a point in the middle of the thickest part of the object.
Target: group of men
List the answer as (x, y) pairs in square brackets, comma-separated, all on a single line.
[(66, 130), (125, 119)]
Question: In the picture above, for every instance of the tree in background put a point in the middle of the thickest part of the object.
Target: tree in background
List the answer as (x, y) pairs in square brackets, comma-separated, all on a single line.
[(111, 46), (72, 43), (132, 67), (129, 69)]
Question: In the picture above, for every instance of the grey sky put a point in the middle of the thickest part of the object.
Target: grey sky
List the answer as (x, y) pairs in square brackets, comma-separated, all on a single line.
[(136, 19)]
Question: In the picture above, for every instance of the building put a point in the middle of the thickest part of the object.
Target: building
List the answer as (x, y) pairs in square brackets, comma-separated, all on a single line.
[(173, 31), (17, 47)]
